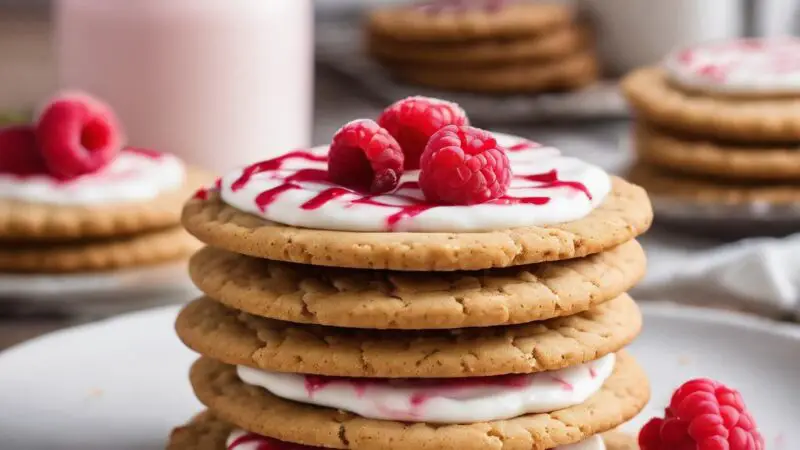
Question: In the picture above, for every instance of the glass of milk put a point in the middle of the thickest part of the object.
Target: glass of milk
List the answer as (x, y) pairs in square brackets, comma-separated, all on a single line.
[(633, 33), (220, 83)]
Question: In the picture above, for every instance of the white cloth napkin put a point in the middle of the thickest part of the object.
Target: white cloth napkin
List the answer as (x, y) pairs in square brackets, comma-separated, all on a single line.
[(760, 275)]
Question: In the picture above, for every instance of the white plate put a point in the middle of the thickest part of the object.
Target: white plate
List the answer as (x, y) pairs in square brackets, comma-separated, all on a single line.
[(122, 384), (100, 294)]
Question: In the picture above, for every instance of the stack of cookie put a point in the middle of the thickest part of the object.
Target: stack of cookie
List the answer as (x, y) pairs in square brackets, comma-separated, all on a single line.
[(335, 318), (73, 200), (719, 124), (493, 46)]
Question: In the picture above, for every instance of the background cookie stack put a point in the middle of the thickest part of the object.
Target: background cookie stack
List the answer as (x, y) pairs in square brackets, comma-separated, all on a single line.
[(334, 332), (719, 124), (483, 45), (73, 205)]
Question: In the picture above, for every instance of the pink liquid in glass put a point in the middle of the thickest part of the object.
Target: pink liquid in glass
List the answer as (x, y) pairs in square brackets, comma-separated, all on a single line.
[(220, 83)]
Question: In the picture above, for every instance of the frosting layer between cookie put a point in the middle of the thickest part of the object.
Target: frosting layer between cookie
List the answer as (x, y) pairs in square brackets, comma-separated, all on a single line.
[(216, 385), (547, 188), (459, 400)]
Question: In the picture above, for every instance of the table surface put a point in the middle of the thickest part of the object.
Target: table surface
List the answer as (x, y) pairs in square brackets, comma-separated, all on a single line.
[(28, 66)]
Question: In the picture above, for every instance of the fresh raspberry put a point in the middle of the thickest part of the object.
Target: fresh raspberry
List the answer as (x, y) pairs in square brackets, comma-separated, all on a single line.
[(365, 157), (464, 166), (703, 415), (19, 154), (77, 134), (412, 121)]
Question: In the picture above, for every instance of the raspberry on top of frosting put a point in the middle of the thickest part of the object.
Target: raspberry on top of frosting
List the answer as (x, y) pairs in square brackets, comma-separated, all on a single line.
[(73, 154), (468, 179), (742, 66)]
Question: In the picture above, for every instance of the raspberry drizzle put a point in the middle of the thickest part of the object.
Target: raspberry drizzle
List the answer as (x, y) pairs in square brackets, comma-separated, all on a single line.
[(265, 443), (550, 180), (203, 193), (272, 165), (315, 383), (415, 206), (524, 145)]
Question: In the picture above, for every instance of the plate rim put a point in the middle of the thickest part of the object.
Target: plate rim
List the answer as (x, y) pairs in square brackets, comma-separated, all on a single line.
[(718, 316), (21, 347)]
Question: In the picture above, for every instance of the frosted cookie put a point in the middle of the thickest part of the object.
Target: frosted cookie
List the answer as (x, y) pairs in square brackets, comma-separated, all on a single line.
[(742, 67), (238, 338), (725, 91), (570, 72), (206, 432), (620, 398), (69, 176), (463, 20), (551, 45), (698, 156), (662, 184), (172, 244), (541, 205), (409, 300)]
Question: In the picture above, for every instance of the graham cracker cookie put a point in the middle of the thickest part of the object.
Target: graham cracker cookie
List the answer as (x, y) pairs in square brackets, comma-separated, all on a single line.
[(551, 45), (571, 72), (207, 432), (729, 161), (89, 256), (656, 100), (625, 214), (463, 20), (239, 338), (660, 183), (415, 300), (218, 387), (49, 222)]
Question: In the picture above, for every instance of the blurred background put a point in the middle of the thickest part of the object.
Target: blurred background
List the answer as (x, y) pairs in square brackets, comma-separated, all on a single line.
[(222, 83)]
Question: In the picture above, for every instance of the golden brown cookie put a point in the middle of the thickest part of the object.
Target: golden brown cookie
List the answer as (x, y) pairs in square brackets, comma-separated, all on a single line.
[(89, 256), (239, 338), (655, 100), (662, 184), (729, 161), (217, 386), (207, 432), (416, 300), (47, 222), (625, 214), (463, 20), (560, 42), (570, 72), (204, 432)]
